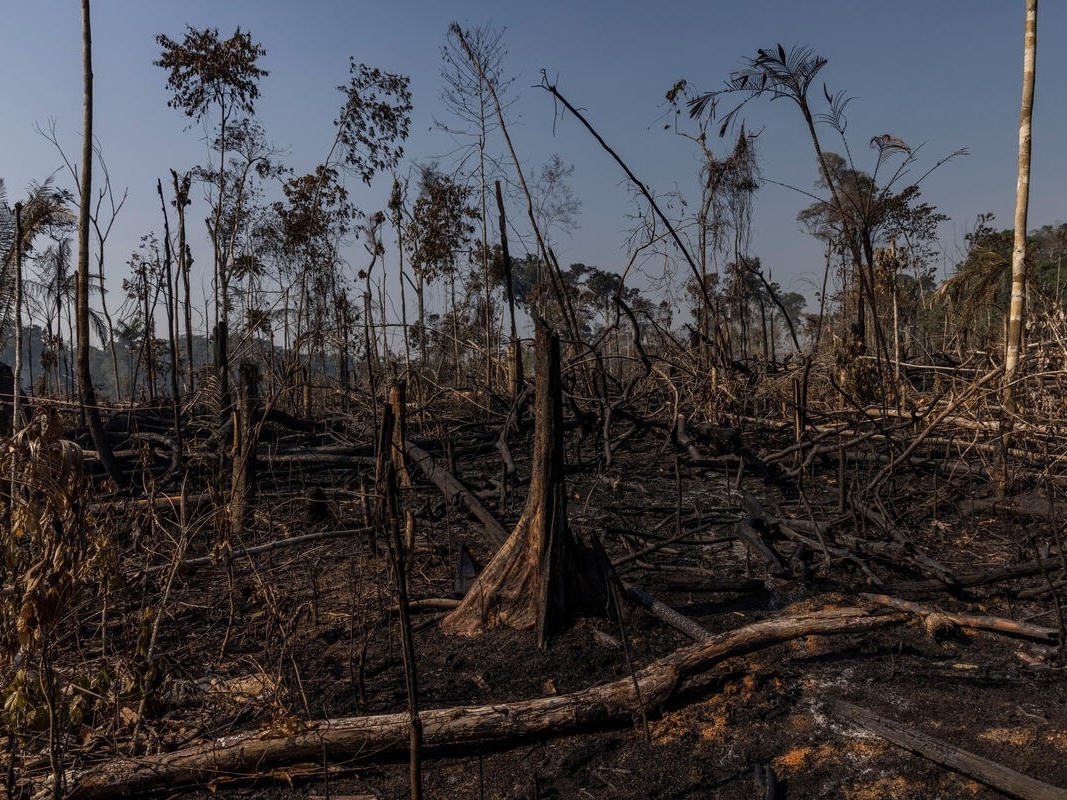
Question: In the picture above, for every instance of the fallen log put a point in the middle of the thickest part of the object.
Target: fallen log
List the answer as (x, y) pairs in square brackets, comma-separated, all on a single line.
[(314, 458), (121, 503), (905, 549), (373, 737), (983, 622), (690, 627), (453, 490), (998, 776), (661, 544), (750, 536), (248, 552), (986, 578)]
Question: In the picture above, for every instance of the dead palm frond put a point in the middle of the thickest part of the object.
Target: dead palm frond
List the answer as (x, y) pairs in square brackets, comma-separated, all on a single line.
[(7, 221), (980, 283), (773, 71)]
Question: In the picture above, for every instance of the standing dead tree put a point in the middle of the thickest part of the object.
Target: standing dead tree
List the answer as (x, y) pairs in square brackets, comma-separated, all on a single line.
[(542, 575), (246, 433)]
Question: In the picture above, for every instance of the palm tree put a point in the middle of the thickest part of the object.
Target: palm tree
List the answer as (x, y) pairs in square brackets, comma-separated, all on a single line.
[(45, 206), (54, 292)]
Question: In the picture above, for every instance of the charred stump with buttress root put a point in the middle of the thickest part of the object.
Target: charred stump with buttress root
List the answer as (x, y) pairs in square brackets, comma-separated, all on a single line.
[(542, 576)]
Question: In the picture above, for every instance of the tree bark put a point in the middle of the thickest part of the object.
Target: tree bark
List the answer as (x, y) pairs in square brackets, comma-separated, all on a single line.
[(399, 432), (245, 434), (171, 300), (1014, 343), (16, 421), (181, 200), (515, 376)]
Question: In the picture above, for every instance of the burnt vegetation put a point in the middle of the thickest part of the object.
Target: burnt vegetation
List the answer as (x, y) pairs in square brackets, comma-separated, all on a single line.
[(420, 514)]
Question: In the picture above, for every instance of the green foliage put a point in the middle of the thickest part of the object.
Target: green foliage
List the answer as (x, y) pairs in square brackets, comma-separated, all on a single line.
[(978, 291), (592, 292), (863, 211), (1047, 247), (774, 72), (869, 214), (981, 279), (24, 705)]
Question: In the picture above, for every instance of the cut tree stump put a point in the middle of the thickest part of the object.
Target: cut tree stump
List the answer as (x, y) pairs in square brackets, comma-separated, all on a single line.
[(542, 576)]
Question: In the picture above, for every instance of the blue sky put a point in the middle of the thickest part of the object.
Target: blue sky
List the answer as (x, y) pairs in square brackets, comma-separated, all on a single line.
[(943, 73)]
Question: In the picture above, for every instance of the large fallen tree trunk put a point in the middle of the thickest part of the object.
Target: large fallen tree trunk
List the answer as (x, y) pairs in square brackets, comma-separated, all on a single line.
[(377, 736)]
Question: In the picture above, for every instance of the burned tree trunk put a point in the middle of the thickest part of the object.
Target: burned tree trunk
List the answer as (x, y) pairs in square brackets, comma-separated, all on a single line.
[(515, 377), (245, 434), (542, 575), (398, 402)]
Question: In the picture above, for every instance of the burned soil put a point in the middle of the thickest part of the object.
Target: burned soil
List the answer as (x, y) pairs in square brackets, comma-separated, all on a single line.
[(190, 633)]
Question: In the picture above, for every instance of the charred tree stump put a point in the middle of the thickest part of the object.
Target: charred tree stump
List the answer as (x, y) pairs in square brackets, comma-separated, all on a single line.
[(542, 575), (399, 431), (244, 440)]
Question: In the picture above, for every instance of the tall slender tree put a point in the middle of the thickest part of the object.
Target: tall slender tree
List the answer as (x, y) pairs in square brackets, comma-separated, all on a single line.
[(467, 98), (185, 262), (44, 208), (439, 229), (1014, 344), (477, 63), (857, 203), (82, 312), (17, 371), (210, 75)]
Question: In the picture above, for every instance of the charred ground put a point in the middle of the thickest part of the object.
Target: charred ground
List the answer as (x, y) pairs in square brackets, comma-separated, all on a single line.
[(183, 631)]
